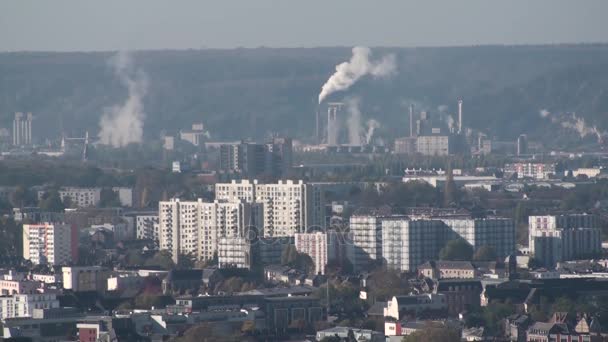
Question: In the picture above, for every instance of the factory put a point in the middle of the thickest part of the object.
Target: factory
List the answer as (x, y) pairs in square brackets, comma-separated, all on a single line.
[(431, 136)]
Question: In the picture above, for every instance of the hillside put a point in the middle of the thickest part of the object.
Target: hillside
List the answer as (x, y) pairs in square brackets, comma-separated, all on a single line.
[(253, 92)]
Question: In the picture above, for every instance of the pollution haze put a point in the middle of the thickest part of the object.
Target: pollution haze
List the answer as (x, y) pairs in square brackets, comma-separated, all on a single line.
[(70, 25)]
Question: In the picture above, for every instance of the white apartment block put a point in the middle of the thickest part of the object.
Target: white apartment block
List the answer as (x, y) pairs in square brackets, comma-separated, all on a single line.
[(288, 207), (234, 252), (409, 243), (146, 227), (50, 244), (82, 197), (367, 239), (403, 243), (22, 305), (314, 245), (194, 227), (495, 232), (563, 237), (530, 170)]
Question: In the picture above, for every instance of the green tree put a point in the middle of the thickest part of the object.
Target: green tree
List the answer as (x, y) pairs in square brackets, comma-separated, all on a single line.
[(456, 250), (162, 259), (289, 255), (485, 253), (51, 202), (108, 198)]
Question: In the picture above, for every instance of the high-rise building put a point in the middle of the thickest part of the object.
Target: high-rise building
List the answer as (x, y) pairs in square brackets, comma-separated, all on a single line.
[(234, 252), (146, 226), (288, 207), (554, 238), (194, 227), (22, 129), (366, 232), (403, 243), (314, 245), (50, 244), (495, 232), (252, 160), (23, 305), (406, 243)]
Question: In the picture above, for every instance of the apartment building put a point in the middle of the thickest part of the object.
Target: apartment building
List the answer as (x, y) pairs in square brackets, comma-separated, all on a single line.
[(50, 243), (22, 305), (530, 170), (495, 232), (315, 245), (554, 238), (408, 243), (288, 207), (194, 227), (146, 226)]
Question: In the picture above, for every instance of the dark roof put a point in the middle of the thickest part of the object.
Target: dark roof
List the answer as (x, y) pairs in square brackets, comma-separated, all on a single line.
[(377, 309), (177, 275)]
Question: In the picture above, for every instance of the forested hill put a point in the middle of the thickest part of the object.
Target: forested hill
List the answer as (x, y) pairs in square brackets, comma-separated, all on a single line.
[(252, 92)]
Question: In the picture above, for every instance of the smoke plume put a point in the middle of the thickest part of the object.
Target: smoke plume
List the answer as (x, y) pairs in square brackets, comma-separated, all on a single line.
[(347, 73), (353, 123), (122, 124), (572, 122), (371, 126)]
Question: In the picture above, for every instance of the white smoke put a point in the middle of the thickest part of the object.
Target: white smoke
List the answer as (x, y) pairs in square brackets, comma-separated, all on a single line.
[(123, 124), (574, 123), (371, 127), (347, 73), (544, 113), (353, 122)]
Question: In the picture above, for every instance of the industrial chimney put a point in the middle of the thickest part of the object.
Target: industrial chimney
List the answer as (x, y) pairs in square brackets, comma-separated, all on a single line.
[(411, 120), (460, 116)]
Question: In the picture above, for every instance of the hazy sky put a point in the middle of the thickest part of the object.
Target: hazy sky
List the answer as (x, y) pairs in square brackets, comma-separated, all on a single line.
[(179, 24)]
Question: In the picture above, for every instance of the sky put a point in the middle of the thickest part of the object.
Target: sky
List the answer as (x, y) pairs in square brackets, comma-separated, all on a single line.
[(78, 25)]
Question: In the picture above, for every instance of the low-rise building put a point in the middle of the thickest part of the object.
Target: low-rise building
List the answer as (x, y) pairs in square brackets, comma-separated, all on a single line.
[(85, 278), (345, 332), (424, 305)]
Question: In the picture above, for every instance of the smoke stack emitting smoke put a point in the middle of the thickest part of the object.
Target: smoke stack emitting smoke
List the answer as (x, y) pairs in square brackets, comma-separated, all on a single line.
[(123, 124), (348, 73)]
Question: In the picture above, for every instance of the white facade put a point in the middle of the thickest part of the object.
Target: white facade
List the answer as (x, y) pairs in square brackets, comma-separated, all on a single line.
[(530, 170), (288, 207), (22, 305), (314, 245), (82, 197), (125, 196), (48, 244), (367, 239), (85, 278), (194, 227), (146, 227), (495, 232), (563, 237), (406, 244), (234, 252)]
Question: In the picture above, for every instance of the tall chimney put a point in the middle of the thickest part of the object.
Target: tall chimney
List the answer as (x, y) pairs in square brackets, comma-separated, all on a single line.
[(459, 116), (411, 120)]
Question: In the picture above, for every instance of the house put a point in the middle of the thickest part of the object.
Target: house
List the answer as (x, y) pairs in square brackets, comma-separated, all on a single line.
[(425, 305), (516, 326), (460, 294), (447, 270)]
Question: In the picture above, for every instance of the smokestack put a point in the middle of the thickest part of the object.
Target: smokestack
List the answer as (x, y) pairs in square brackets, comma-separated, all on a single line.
[(411, 120), (459, 116), (333, 128), (317, 133)]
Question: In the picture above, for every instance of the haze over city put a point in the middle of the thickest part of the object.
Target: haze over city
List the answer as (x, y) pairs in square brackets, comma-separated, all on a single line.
[(303, 171)]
